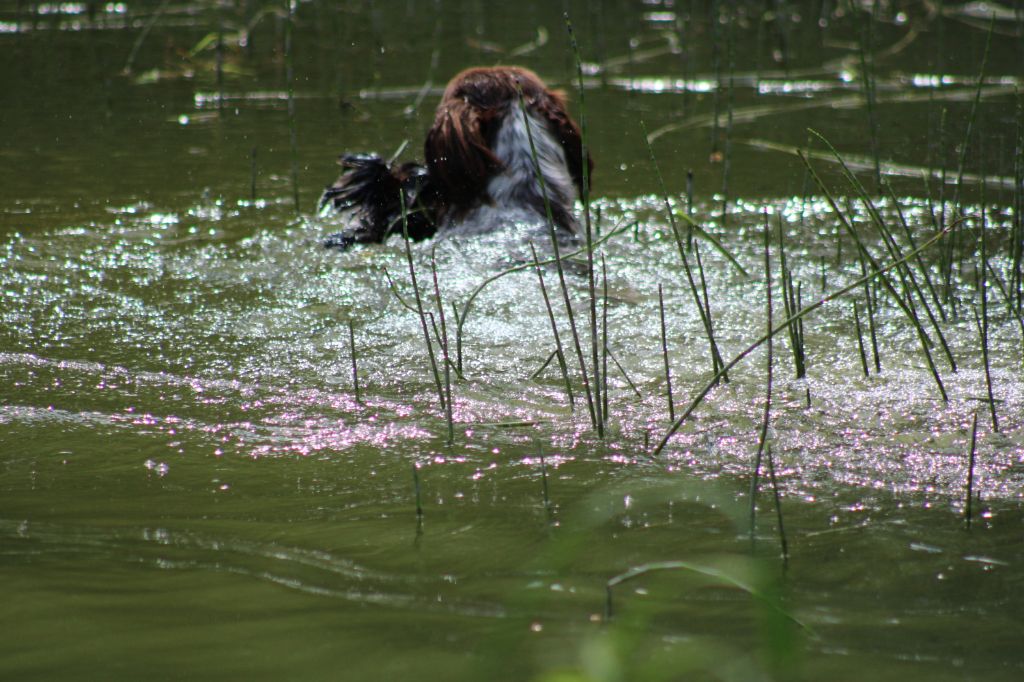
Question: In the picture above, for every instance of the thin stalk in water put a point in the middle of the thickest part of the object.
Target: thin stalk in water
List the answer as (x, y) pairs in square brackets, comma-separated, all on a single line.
[(869, 298), (754, 478), (1017, 251), (551, 356), (554, 330), (983, 338), (544, 476), (860, 340), (468, 304), (625, 374), (419, 301), (355, 368), (155, 17), (220, 66), (585, 197), (664, 355), (983, 321), (877, 272), (597, 424), (716, 358), (922, 336), (1016, 314), (704, 295), (444, 349), (970, 471), (458, 339), (604, 334), (789, 300), (778, 508), (689, 208), (416, 489), (906, 275), (921, 267)]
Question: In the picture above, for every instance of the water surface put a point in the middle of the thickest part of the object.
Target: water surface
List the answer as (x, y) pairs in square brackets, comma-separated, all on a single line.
[(191, 488)]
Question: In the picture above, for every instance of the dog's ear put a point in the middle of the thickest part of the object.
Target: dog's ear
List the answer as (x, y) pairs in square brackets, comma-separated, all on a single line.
[(458, 152), (369, 189), (551, 106)]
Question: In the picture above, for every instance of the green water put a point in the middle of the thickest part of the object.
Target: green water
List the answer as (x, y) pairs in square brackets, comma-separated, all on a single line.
[(190, 489)]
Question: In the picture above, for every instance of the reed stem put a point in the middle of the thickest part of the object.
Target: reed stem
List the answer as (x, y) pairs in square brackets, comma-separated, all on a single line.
[(544, 476), (664, 355), (1008, 300), (778, 508), (444, 349), (878, 272), (419, 301), (908, 283), (860, 340), (970, 471), (876, 268), (763, 437), (604, 335), (585, 198), (597, 424), (983, 322), (554, 331), (355, 369), (716, 358)]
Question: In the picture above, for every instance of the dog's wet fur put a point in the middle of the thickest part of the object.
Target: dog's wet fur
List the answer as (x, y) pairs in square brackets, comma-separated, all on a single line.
[(479, 169)]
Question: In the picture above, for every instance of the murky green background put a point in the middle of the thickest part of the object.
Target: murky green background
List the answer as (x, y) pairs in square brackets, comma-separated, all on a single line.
[(189, 488)]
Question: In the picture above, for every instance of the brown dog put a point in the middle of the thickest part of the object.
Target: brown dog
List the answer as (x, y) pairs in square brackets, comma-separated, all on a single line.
[(480, 171)]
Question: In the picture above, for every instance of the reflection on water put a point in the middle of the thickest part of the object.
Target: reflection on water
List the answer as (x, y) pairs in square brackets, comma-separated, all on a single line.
[(180, 434)]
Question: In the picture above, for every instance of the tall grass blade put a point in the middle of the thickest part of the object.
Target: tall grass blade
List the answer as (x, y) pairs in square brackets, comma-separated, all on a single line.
[(355, 368), (419, 301), (444, 349), (869, 298), (554, 330), (983, 321), (906, 275), (923, 338), (970, 471), (625, 374), (1008, 300), (416, 490), (921, 267), (755, 475), (860, 340), (716, 358), (778, 508), (664, 355), (468, 304), (604, 335), (585, 197), (597, 424), (879, 272), (544, 476)]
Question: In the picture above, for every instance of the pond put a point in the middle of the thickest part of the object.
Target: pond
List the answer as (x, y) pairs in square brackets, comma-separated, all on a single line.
[(192, 486)]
